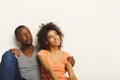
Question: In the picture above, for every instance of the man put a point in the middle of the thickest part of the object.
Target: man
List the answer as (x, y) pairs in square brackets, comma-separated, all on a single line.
[(22, 64)]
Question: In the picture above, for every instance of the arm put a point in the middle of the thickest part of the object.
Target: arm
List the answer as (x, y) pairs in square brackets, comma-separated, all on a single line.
[(9, 69), (15, 52), (47, 67), (69, 68)]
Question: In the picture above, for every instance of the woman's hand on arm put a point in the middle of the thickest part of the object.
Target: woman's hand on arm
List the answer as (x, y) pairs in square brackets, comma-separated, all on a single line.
[(47, 67)]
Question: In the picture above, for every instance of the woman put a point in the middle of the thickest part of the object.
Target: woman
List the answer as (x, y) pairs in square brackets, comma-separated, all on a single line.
[(53, 59)]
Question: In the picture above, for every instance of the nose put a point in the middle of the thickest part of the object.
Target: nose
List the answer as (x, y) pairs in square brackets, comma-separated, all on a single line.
[(27, 35), (56, 37)]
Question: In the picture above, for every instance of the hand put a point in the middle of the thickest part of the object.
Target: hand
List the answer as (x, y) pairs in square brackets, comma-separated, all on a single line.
[(71, 60), (15, 52)]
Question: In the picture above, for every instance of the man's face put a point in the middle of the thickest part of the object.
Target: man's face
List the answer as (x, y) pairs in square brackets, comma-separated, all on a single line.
[(25, 36)]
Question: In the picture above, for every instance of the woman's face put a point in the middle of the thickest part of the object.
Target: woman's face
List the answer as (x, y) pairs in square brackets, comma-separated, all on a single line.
[(53, 39)]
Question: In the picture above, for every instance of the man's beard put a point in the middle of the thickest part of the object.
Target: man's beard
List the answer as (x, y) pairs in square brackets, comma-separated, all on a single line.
[(27, 45)]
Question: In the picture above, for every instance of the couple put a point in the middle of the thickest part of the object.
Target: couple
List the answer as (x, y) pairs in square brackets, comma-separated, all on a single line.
[(47, 60)]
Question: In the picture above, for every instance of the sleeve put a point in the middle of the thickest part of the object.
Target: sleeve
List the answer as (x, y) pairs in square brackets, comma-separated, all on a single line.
[(9, 69), (66, 55), (42, 53)]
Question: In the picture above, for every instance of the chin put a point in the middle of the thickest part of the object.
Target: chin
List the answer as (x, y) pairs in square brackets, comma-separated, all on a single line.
[(29, 44)]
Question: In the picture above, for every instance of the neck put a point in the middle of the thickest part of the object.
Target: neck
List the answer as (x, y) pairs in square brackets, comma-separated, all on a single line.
[(24, 47), (54, 49), (28, 50)]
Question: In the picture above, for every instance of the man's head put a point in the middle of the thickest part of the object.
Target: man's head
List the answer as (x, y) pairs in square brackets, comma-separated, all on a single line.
[(23, 35)]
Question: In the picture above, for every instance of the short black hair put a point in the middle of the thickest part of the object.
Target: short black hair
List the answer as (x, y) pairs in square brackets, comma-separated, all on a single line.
[(16, 30)]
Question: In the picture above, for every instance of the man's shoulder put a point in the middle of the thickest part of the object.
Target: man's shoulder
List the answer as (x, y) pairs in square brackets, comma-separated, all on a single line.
[(7, 53)]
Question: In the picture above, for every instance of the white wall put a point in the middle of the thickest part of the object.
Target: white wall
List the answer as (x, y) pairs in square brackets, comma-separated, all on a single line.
[(91, 29)]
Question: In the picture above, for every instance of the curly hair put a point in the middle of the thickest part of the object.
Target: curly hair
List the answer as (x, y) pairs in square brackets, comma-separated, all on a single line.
[(42, 35)]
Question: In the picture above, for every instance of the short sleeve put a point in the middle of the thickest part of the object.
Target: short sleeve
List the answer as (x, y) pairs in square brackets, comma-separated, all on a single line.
[(66, 55), (42, 53)]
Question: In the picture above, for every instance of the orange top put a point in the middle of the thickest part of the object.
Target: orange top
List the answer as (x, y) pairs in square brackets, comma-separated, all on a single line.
[(58, 66)]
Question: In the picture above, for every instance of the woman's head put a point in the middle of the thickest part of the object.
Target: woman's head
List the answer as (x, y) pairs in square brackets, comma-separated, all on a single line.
[(49, 35)]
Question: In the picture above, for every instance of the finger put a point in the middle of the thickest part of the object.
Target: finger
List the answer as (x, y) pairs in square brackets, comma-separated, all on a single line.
[(68, 58), (13, 51)]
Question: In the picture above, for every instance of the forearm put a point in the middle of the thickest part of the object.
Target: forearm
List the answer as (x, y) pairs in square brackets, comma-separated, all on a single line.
[(73, 78), (53, 75), (71, 72)]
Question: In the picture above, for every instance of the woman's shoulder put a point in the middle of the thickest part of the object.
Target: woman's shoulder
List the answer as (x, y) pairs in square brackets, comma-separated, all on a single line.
[(42, 52), (66, 53)]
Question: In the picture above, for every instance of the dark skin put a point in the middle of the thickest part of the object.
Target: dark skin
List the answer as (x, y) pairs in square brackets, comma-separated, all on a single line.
[(25, 38), (71, 60)]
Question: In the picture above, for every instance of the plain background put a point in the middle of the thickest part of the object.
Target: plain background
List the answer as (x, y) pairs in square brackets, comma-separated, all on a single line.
[(91, 31)]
